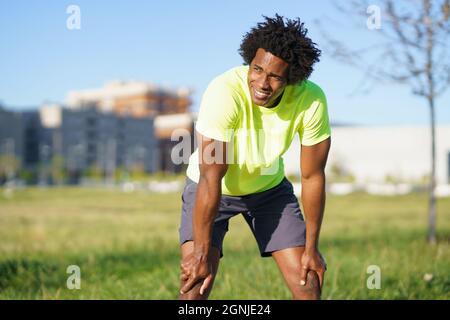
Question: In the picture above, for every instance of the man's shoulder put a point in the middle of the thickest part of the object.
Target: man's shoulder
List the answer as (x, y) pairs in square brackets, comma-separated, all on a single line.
[(310, 89), (306, 95), (232, 81), (234, 76)]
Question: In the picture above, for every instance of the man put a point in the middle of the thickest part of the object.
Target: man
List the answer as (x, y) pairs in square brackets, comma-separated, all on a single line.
[(247, 120)]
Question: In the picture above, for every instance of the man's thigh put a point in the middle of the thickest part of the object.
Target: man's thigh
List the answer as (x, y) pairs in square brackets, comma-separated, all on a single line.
[(220, 226), (275, 219)]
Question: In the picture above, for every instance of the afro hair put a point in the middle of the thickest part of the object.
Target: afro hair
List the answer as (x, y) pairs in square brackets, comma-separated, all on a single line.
[(286, 40)]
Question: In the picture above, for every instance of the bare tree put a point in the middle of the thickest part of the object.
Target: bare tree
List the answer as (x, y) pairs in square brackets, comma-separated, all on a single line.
[(413, 49)]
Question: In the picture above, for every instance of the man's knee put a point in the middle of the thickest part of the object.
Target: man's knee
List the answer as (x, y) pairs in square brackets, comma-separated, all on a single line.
[(309, 291), (194, 293)]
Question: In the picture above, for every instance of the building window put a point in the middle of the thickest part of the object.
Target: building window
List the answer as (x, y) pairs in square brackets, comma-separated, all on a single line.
[(91, 122)]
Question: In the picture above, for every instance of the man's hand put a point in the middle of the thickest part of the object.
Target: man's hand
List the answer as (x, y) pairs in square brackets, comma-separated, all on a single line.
[(312, 260), (196, 268)]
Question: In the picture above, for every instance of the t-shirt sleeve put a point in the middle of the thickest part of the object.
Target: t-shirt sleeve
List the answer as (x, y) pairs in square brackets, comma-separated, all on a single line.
[(219, 111), (316, 125)]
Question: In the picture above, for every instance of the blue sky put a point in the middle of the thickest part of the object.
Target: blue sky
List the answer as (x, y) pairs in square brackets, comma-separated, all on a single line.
[(176, 43)]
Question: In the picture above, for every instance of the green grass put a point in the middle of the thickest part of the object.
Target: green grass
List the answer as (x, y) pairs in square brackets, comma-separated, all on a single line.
[(127, 248)]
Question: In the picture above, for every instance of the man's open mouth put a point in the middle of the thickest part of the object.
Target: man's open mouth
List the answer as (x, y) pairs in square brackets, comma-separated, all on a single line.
[(261, 95)]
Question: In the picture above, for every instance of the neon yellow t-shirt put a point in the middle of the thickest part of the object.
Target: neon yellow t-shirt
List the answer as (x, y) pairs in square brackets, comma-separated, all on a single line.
[(258, 136)]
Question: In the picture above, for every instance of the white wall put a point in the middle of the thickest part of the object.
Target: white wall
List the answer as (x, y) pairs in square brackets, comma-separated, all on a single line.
[(372, 153)]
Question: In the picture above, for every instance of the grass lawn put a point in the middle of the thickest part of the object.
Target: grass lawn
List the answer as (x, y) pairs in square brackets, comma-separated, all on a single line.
[(126, 246)]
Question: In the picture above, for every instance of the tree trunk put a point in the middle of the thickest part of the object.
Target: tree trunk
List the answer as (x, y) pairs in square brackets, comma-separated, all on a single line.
[(431, 96), (431, 237)]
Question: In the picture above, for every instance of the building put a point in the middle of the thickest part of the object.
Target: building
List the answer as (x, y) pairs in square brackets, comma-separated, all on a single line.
[(383, 154), (132, 98), (11, 143), (33, 135), (88, 138), (171, 130), (11, 133), (126, 124), (137, 99)]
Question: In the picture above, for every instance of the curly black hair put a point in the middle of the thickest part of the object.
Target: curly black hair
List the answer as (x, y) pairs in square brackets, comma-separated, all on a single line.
[(286, 40)]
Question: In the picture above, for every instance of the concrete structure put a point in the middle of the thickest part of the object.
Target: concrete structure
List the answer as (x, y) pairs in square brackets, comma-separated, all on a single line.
[(132, 98), (138, 99), (171, 130), (88, 137), (377, 154), (11, 133), (33, 135), (11, 144)]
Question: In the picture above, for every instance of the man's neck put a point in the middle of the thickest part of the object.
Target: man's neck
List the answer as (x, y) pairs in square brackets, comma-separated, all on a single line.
[(276, 102)]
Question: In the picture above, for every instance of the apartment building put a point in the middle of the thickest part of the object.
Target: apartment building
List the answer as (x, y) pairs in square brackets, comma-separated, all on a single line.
[(89, 137), (136, 99)]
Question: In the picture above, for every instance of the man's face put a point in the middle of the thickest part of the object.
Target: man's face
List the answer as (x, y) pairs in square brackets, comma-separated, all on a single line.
[(267, 78)]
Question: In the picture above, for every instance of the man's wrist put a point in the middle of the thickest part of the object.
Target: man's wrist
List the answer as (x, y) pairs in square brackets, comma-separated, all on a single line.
[(201, 249), (311, 246)]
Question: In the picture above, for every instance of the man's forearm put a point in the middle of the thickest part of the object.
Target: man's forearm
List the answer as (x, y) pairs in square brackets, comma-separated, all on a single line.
[(205, 210), (313, 200)]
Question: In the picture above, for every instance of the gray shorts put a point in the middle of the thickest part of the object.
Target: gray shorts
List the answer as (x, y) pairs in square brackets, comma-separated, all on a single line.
[(274, 216)]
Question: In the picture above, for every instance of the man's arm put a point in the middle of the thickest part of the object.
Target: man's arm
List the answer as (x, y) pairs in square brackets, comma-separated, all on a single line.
[(213, 166), (312, 162)]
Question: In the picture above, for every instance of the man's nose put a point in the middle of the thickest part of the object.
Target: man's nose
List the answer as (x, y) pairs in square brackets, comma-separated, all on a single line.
[(263, 82)]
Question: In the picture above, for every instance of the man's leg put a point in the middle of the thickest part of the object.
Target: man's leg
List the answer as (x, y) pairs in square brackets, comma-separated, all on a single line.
[(288, 261), (194, 294)]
